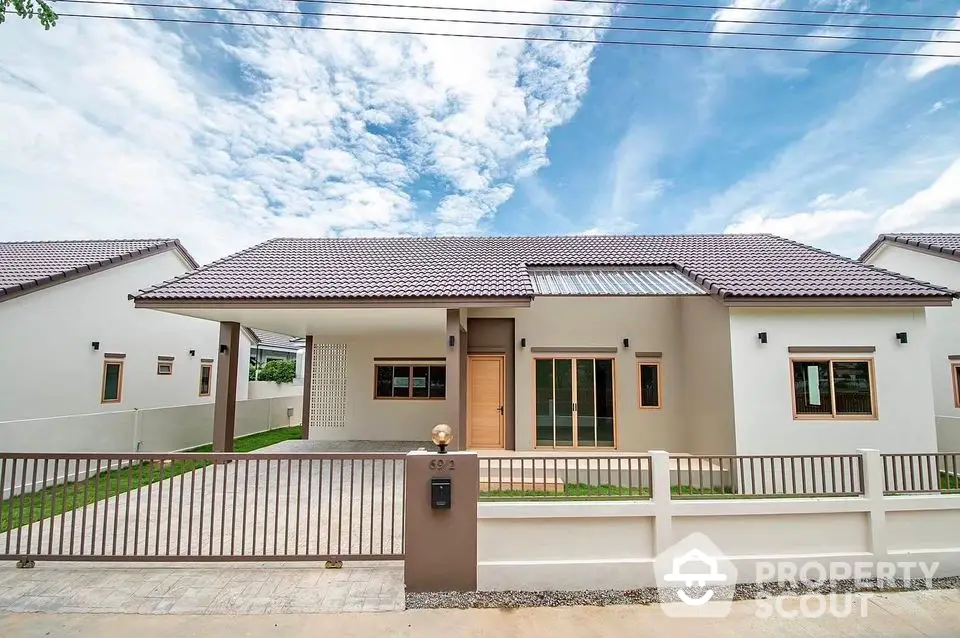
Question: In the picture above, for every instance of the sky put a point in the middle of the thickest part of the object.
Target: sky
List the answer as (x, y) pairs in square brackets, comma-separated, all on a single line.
[(228, 136)]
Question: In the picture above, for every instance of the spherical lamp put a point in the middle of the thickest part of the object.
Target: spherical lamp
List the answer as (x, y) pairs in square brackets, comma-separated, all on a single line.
[(442, 436)]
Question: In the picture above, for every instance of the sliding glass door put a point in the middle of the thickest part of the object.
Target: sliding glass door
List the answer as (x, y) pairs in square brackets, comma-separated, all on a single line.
[(574, 403)]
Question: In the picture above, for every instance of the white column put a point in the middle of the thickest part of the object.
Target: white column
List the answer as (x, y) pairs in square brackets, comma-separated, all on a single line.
[(660, 496), (873, 492)]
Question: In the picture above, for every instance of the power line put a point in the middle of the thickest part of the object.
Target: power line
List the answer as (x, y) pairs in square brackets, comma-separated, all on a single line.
[(676, 5), (478, 36), (523, 12), (271, 12)]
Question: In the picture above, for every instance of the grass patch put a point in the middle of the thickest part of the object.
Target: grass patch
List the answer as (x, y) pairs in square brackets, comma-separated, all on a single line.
[(584, 490), (51, 501)]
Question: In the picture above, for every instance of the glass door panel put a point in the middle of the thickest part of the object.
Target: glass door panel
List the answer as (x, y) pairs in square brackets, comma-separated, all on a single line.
[(586, 413), (603, 414), (563, 405), (544, 401)]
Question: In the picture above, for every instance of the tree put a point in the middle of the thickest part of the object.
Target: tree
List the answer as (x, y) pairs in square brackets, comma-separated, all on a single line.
[(27, 9), (279, 371)]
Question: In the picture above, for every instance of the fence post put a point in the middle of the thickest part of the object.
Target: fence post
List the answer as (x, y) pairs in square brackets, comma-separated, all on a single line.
[(873, 484), (136, 430), (440, 545), (660, 495)]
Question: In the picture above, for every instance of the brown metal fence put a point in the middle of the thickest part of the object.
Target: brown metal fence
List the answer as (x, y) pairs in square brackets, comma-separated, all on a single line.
[(565, 477), (912, 473), (766, 476), (201, 507)]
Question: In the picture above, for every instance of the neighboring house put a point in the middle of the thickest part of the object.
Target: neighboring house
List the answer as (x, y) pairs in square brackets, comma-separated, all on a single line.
[(74, 344), (719, 344), (273, 345), (933, 257)]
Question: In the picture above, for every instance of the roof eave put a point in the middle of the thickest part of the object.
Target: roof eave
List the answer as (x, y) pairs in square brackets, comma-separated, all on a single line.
[(914, 301), (353, 302)]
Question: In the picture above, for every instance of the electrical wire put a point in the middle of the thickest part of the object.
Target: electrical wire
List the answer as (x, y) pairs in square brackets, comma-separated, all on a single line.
[(271, 12), (715, 7), (543, 13), (526, 38)]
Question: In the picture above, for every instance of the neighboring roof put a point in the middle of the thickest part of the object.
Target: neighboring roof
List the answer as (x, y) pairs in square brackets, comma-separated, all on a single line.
[(616, 280), (937, 243), (26, 266), (269, 339), (727, 266)]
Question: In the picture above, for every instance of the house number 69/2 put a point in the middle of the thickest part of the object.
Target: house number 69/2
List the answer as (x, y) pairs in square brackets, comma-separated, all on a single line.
[(440, 465)]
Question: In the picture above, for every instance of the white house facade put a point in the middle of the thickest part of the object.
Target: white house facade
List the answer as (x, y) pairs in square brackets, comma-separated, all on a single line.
[(721, 344), (933, 257), (75, 344)]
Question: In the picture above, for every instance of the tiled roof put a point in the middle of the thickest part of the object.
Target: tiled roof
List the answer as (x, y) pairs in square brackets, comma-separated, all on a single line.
[(269, 339), (742, 266), (942, 243), (29, 265)]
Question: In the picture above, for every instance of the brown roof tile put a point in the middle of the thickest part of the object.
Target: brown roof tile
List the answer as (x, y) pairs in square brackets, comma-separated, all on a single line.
[(30, 265), (942, 243), (445, 267)]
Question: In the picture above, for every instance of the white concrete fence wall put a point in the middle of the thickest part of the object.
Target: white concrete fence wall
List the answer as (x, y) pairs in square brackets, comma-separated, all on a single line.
[(270, 389), (568, 545)]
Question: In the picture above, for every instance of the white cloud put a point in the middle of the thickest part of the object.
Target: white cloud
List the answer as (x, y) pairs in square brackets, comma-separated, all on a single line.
[(936, 207), (743, 11), (941, 43), (224, 137), (806, 226)]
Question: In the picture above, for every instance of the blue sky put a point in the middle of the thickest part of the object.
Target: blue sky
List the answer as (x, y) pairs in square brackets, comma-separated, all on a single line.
[(225, 137)]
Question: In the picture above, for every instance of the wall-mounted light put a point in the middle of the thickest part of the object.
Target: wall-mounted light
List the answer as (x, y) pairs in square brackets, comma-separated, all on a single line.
[(523, 342), (193, 353), (451, 341), (224, 348), (902, 337), (626, 342), (95, 345), (762, 336)]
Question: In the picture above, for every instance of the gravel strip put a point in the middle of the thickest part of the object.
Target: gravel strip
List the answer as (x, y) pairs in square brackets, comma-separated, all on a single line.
[(649, 595)]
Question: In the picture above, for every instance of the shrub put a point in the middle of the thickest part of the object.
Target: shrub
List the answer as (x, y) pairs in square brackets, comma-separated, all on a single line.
[(279, 371)]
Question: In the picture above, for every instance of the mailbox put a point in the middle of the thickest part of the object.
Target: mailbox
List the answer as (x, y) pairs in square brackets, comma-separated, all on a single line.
[(440, 493)]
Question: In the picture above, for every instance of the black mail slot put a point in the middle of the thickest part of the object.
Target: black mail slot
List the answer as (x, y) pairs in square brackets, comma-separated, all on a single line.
[(440, 492)]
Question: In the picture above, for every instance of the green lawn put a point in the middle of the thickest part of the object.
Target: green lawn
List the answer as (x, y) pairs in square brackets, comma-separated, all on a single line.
[(27, 508), (583, 490)]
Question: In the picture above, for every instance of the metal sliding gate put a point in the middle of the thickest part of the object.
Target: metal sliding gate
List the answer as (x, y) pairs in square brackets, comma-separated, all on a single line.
[(201, 507)]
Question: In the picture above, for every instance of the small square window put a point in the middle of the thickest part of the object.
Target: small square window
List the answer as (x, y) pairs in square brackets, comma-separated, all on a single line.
[(164, 367)]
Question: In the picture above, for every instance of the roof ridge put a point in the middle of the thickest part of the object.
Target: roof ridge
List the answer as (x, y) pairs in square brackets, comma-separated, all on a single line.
[(567, 236), (870, 266), (152, 240), (199, 269)]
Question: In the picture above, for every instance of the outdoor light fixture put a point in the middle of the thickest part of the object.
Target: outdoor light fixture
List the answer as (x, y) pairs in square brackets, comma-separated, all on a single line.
[(452, 341), (523, 343), (762, 336), (442, 436), (193, 353), (95, 345), (902, 337), (224, 348), (626, 342)]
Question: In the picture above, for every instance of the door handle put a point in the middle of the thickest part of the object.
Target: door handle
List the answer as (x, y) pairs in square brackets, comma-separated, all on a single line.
[(500, 409)]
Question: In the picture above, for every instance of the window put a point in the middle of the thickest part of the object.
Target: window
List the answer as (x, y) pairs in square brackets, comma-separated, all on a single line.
[(165, 366), (648, 378), (833, 388), (574, 403), (411, 382), (955, 370), (206, 373), (112, 382)]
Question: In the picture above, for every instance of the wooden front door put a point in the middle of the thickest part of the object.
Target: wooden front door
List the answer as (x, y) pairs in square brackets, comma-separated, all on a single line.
[(485, 401)]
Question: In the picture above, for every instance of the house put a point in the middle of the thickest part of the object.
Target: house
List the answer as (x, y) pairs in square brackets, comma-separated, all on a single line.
[(933, 257), (712, 344), (273, 345), (74, 344)]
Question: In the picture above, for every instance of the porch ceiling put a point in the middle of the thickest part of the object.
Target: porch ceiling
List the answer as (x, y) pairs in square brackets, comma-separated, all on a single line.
[(341, 322)]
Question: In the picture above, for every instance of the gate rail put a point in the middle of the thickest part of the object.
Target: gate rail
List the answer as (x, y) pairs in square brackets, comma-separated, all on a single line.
[(201, 507)]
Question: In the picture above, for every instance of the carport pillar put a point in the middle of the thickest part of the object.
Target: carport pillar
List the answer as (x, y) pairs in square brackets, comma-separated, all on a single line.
[(456, 364), (225, 407), (307, 388)]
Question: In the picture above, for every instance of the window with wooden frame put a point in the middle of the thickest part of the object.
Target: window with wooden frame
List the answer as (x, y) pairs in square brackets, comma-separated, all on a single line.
[(955, 373), (648, 385), (825, 388), (164, 366), (111, 389), (206, 376), (410, 381)]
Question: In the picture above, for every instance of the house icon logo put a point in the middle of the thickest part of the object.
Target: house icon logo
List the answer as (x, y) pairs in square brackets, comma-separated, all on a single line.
[(694, 579)]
